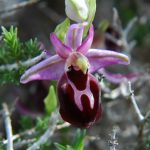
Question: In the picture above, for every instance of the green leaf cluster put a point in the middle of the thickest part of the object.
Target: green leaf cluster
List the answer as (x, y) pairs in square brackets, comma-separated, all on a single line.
[(12, 51), (78, 142), (26, 122), (42, 123)]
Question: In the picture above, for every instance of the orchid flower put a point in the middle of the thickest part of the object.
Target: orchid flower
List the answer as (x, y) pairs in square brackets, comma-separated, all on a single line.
[(73, 64)]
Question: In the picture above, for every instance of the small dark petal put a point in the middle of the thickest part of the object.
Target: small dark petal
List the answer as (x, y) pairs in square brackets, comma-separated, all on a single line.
[(78, 78)]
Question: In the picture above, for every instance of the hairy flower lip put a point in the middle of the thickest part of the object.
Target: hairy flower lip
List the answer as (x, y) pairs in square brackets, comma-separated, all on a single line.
[(76, 105)]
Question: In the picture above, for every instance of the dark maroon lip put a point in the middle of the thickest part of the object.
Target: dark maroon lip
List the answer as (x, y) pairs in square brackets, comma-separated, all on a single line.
[(69, 109), (78, 78)]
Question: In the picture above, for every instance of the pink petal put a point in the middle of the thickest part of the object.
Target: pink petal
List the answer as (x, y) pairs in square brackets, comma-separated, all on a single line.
[(74, 36), (118, 78), (49, 69), (61, 49), (85, 46), (102, 58)]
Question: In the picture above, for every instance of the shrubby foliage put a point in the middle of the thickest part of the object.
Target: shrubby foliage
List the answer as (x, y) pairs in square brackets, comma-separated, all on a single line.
[(13, 51)]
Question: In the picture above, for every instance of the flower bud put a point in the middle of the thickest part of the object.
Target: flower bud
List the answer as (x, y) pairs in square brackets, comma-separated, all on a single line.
[(79, 95), (77, 10)]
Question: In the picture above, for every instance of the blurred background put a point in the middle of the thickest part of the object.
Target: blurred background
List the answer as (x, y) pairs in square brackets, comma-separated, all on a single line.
[(37, 18)]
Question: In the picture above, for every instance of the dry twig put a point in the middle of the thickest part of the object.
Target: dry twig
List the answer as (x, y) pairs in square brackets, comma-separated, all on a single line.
[(32, 131), (49, 132), (27, 132), (27, 63), (8, 126), (18, 6), (22, 143), (137, 110)]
